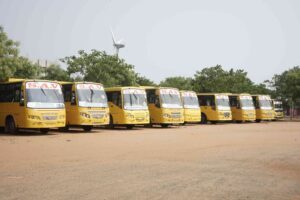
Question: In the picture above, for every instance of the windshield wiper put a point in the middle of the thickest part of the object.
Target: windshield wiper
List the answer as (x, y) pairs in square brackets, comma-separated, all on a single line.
[(92, 94), (43, 92)]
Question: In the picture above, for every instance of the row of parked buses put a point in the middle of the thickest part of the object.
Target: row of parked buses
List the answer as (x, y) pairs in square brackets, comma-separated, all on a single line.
[(40, 104)]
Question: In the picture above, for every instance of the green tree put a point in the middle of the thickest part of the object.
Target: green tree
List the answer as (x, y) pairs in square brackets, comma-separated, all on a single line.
[(11, 64), (26, 69), (55, 72), (287, 84), (143, 81), (100, 67), (9, 53), (180, 82), (216, 79)]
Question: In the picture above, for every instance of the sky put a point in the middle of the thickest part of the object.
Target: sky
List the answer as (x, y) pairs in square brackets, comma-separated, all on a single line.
[(163, 37)]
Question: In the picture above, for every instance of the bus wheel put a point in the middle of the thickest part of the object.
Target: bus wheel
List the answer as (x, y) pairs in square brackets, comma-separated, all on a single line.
[(203, 119), (258, 120), (64, 129), (238, 121), (164, 125), (129, 126), (44, 130), (213, 122), (87, 128), (10, 126)]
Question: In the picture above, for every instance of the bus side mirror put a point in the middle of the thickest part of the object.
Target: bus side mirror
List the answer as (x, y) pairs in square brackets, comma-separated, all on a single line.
[(213, 107), (238, 106), (73, 99), (22, 102)]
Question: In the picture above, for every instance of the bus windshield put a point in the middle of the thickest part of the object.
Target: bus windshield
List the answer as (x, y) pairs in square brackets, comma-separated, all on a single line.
[(265, 104), (278, 106), (91, 95), (222, 102), (246, 102), (135, 99), (44, 95), (170, 98), (190, 100)]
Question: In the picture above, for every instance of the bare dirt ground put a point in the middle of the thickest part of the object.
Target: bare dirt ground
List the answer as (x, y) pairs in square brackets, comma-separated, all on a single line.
[(223, 161)]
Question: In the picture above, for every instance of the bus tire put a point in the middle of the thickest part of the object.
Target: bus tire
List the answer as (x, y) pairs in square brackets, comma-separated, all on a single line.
[(203, 119), (129, 127), (213, 122), (257, 120), (238, 121), (164, 125), (87, 128), (64, 129), (10, 125), (44, 130)]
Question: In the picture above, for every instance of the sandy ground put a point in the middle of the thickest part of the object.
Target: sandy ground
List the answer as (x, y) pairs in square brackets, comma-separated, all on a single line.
[(223, 161)]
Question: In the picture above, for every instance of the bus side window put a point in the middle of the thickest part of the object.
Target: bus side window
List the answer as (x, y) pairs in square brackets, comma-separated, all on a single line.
[(233, 101), (17, 95), (209, 100), (157, 103), (116, 99), (67, 91), (255, 102), (151, 96), (73, 98)]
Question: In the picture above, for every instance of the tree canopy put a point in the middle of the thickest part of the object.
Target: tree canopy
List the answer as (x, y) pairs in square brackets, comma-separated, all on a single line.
[(179, 82), (55, 72), (100, 67), (287, 84), (11, 63)]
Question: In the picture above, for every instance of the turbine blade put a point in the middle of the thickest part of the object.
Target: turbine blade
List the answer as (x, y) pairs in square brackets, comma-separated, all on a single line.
[(113, 36)]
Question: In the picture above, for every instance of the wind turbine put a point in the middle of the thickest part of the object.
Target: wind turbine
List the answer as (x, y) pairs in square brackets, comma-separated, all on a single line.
[(117, 44)]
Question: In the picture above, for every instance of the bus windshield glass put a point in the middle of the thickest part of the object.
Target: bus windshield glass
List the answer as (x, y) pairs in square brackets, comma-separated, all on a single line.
[(44, 95), (246, 103), (91, 95), (170, 98), (135, 99), (265, 102), (222, 102), (278, 106), (190, 100)]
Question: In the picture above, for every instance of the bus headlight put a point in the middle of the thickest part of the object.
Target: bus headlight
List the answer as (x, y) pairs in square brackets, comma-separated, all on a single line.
[(166, 115), (34, 117), (85, 115), (130, 115)]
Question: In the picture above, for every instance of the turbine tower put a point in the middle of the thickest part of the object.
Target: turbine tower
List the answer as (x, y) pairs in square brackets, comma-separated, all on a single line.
[(117, 44)]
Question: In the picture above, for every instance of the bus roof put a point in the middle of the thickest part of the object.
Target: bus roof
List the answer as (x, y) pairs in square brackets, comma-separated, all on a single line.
[(187, 91), (122, 88), (254, 95), (77, 82), (156, 87), (18, 80), (219, 93), (239, 94)]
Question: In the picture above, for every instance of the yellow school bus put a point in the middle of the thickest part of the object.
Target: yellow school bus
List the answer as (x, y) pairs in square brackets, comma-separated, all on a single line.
[(165, 106), (191, 108), (31, 104), (277, 109), (128, 106), (263, 107), (86, 105), (242, 107), (214, 107)]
